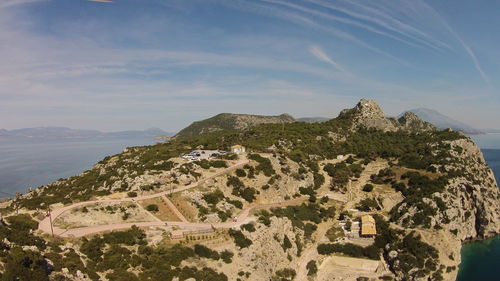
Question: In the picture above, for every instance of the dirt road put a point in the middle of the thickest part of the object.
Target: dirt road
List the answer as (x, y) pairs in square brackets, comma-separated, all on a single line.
[(45, 224)]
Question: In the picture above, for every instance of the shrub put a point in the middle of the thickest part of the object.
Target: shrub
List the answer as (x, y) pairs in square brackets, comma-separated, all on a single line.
[(248, 227), (239, 238), (312, 268), (286, 274), (286, 243), (206, 252), (132, 194), (349, 249), (241, 173), (213, 197), (264, 165), (226, 256), (152, 208), (218, 164), (368, 187)]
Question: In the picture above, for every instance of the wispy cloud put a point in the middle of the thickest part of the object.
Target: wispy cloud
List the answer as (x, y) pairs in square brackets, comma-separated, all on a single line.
[(12, 3), (474, 59), (321, 55), (464, 45), (376, 17)]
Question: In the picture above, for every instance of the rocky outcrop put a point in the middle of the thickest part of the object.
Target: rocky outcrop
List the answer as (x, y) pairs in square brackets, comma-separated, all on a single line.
[(411, 122), (368, 114)]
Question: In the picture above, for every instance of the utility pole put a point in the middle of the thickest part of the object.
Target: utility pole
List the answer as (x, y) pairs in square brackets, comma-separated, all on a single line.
[(50, 220), (350, 190)]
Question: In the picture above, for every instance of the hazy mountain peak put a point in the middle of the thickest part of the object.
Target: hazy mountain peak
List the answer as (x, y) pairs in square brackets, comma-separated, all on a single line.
[(442, 121)]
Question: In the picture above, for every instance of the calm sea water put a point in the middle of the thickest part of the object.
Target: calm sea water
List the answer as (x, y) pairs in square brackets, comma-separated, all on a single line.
[(31, 163), (481, 260)]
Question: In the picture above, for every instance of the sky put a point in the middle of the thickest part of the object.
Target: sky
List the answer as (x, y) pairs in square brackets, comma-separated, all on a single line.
[(135, 64)]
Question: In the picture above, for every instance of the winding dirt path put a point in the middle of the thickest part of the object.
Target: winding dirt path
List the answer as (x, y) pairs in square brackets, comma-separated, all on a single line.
[(243, 217), (45, 224)]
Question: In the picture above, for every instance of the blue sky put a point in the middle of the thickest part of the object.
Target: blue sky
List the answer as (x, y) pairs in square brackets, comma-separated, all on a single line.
[(134, 64)]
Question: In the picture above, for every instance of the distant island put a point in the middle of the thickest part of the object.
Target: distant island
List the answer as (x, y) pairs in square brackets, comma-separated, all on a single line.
[(68, 133)]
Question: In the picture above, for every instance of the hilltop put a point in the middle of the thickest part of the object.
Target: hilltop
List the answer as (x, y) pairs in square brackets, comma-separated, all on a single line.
[(230, 122), (287, 209)]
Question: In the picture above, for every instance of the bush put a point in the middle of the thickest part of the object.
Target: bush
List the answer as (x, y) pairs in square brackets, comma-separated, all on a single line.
[(368, 187), (152, 208), (226, 256), (312, 268), (286, 243), (367, 205), (132, 236), (218, 164), (206, 252), (132, 194), (264, 165), (350, 249), (241, 173), (236, 203), (239, 238), (213, 197), (286, 274), (248, 227), (24, 265)]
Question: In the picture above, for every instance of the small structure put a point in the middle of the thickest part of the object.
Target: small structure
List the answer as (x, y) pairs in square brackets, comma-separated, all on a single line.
[(368, 227), (237, 149), (176, 234), (180, 234)]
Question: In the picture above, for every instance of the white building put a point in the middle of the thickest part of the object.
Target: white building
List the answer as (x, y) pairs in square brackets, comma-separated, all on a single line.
[(237, 149)]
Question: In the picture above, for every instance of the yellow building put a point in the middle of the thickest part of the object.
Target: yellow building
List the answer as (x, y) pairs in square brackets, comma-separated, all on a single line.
[(368, 227)]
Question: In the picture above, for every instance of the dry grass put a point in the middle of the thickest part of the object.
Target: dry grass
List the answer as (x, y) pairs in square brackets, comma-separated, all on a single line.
[(184, 206), (164, 212)]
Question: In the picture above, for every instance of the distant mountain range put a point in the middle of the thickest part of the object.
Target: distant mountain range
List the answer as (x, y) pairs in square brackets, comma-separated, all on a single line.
[(443, 122), (66, 133)]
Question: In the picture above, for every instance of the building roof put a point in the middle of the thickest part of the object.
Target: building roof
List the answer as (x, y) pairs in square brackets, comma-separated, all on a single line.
[(236, 146), (368, 226), (368, 230), (367, 219)]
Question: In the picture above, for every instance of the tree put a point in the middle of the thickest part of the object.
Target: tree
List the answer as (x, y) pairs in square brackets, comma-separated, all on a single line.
[(286, 243), (312, 268), (24, 266), (368, 187), (152, 208)]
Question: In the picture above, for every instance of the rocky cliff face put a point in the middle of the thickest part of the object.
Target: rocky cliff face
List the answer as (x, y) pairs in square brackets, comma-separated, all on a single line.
[(231, 122), (473, 200)]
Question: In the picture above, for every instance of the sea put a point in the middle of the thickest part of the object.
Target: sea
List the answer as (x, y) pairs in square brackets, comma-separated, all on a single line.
[(28, 163)]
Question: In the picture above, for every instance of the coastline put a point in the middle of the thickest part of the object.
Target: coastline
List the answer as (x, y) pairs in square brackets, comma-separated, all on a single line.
[(478, 259)]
